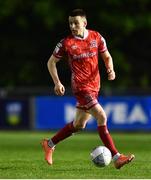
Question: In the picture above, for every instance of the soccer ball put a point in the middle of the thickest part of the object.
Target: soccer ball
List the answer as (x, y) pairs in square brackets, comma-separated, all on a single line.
[(101, 156)]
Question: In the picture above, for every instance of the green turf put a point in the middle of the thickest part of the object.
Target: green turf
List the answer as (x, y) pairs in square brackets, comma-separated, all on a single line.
[(21, 157)]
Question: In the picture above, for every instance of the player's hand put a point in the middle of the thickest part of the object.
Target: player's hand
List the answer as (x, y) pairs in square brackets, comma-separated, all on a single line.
[(111, 75), (59, 89)]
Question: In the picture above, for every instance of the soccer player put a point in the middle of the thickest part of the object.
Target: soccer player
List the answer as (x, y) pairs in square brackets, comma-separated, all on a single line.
[(82, 47)]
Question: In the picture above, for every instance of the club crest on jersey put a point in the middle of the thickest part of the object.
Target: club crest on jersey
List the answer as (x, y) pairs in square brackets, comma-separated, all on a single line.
[(93, 44)]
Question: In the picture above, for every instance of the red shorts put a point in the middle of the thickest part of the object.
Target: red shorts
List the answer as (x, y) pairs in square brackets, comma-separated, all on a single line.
[(86, 99)]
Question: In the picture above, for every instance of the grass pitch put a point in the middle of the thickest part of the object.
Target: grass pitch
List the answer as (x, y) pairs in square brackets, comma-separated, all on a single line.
[(21, 157)]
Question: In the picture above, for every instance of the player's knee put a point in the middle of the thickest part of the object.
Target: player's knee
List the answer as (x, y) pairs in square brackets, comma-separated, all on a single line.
[(79, 126), (101, 119)]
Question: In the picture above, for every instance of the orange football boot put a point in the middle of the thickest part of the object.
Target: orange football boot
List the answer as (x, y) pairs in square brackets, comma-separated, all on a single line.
[(122, 160), (48, 151)]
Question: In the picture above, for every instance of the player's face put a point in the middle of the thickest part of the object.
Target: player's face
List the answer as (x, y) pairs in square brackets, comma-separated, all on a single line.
[(77, 25)]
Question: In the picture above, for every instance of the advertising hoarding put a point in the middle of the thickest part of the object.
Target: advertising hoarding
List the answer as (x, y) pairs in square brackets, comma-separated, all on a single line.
[(124, 113)]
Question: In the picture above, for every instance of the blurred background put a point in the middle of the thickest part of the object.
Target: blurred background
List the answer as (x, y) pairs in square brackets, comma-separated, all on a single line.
[(30, 30)]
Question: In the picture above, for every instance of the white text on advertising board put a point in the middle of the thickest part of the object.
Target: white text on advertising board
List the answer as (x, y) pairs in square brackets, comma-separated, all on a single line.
[(118, 112)]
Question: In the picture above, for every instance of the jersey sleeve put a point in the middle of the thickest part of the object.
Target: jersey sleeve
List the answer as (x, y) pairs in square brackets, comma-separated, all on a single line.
[(102, 44), (59, 50)]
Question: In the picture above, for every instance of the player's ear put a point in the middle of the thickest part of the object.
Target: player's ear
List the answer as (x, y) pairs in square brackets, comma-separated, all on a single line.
[(85, 22)]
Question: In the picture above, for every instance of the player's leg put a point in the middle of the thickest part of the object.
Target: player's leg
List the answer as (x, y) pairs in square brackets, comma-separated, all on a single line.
[(81, 119), (79, 123), (49, 144), (99, 114)]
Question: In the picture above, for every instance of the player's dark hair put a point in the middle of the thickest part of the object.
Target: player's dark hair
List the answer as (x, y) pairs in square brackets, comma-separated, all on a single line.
[(78, 12)]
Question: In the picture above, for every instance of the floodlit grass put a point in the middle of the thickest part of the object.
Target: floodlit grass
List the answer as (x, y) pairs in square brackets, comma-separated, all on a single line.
[(21, 157)]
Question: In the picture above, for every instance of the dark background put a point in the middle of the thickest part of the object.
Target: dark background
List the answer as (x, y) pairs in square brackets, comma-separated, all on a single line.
[(29, 31)]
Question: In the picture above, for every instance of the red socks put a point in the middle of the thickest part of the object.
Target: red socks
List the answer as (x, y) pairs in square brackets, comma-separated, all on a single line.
[(63, 133), (107, 139), (103, 133)]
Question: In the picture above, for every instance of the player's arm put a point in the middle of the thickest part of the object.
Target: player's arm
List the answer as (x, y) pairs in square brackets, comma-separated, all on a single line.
[(52, 68), (108, 64)]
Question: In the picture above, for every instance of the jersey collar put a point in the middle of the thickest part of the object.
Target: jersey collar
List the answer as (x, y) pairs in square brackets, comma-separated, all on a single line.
[(86, 33)]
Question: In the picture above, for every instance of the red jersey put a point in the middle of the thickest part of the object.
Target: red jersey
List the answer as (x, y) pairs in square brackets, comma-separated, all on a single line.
[(83, 59)]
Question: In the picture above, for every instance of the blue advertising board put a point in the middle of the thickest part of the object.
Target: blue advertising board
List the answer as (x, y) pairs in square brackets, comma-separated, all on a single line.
[(124, 113)]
